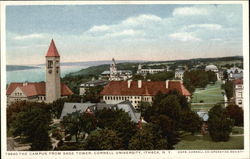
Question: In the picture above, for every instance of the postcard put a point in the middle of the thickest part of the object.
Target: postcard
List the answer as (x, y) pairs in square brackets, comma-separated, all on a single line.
[(117, 79)]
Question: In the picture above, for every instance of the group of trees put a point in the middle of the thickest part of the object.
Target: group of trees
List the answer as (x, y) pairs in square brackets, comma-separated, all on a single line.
[(107, 129), (31, 122), (171, 113), (198, 79), (221, 121), (161, 76), (229, 88)]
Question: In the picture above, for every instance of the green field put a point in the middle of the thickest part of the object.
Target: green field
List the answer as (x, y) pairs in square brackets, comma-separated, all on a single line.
[(204, 99), (205, 143)]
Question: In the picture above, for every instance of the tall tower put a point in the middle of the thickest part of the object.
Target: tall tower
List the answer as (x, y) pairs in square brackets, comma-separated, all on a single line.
[(113, 70), (53, 81)]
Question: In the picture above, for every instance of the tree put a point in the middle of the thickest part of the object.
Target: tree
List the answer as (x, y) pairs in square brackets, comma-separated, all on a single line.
[(147, 139), (143, 106), (161, 76), (33, 124), (103, 139), (93, 94), (119, 121), (41, 140), (236, 113), (72, 124), (137, 77), (167, 128), (212, 78), (225, 75), (78, 122), (169, 106), (190, 121), (228, 87), (219, 125)]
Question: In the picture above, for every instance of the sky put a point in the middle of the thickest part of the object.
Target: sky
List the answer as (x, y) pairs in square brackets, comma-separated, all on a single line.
[(125, 32)]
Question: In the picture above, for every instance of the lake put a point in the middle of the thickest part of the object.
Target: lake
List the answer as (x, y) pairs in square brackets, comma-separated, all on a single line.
[(37, 75)]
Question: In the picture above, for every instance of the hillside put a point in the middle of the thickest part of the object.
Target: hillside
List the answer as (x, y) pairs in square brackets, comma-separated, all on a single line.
[(19, 67)]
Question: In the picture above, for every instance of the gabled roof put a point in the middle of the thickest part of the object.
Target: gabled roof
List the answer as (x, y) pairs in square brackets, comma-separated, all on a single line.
[(36, 88), (69, 108), (52, 52), (150, 88)]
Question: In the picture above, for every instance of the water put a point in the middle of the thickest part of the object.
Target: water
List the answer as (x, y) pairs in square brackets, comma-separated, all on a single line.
[(37, 75)]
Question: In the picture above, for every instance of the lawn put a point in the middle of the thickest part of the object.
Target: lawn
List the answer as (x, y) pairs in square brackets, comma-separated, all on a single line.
[(205, 143), (237, 130), (206, 98)]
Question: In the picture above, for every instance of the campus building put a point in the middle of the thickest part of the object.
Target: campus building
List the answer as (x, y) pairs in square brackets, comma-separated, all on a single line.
[(139, 91), (91, 84), (145, 71), (238, 92), (48, 91), (116, 75)]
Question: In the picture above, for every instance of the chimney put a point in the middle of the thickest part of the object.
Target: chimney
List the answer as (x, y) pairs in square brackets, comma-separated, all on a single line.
[(167, 83), (129, 83), (25, 83), (139, 83)]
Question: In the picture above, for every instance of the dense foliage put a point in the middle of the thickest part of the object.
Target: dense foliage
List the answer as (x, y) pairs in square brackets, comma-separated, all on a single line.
[(166, 112), (30, 121), (77, 123), (198, 79), (236, 113), (229, 88), (148, 138), (161, 76), (219, 124), (103, 139)]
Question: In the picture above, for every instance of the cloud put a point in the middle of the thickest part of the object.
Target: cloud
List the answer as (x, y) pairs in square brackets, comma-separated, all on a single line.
[(129, 32), (190, 11), (184, 36), (141, 20), (100, 28), (29, 36), (205, 26)]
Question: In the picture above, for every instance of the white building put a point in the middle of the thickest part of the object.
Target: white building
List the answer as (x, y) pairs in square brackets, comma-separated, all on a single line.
[(235, 73), (139, 91), (116, 75), (179, 74), (238, 92), (149, 70)]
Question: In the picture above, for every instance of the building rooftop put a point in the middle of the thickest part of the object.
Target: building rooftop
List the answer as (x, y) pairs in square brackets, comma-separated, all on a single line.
[(126, 106), (36, 88), (150, 88), (238, 81)]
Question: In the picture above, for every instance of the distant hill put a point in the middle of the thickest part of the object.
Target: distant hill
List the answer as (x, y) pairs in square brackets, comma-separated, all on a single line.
[(94, 69), (94, 63), (19, 67)]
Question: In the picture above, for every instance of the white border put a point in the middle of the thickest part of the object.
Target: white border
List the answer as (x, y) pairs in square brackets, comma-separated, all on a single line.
[(242, 154)]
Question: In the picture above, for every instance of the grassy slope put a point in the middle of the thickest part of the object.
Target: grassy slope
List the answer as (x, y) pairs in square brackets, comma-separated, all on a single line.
[(211, 94), (205, 143)]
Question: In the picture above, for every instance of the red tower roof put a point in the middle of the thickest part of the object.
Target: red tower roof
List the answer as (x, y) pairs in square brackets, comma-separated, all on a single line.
[(52, 52)]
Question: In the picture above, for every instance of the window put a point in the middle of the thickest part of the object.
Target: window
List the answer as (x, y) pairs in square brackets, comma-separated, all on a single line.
[(50, 63)]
